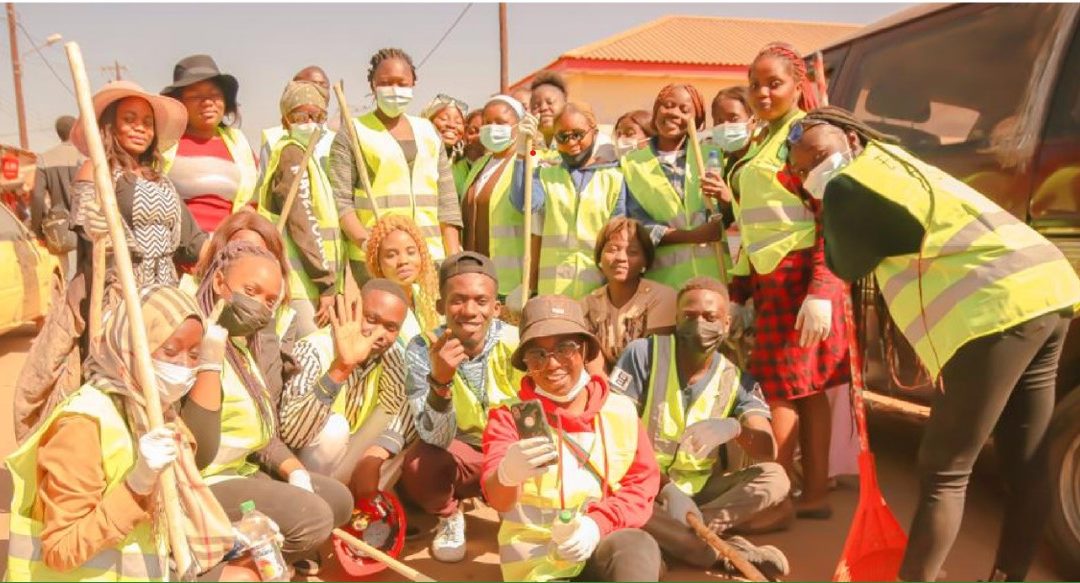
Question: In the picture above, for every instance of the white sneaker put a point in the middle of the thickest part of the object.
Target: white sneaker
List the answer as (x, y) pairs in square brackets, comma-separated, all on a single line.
[(449, 543)]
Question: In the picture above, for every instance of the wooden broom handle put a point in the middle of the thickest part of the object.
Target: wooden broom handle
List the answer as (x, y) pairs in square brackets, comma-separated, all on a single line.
[(699, 162), (745, 567), (294, 188), (399, 567)]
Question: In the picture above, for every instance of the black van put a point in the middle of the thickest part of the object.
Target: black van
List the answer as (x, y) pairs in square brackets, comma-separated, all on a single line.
[(991, 94)]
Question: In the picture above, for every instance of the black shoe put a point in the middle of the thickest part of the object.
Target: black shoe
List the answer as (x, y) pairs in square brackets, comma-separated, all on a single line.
[(768, 559)]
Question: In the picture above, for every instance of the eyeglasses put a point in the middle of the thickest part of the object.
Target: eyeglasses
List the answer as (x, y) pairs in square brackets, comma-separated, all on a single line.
[(444, 98), (305, 117), (537, 358), (572, 136)]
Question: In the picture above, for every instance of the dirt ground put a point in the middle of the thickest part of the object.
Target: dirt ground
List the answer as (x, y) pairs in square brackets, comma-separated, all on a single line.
[(812, 546)]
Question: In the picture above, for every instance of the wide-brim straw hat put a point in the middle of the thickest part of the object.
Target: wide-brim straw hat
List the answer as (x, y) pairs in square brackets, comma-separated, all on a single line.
[(196, 68), (551, 315), (170, 116)]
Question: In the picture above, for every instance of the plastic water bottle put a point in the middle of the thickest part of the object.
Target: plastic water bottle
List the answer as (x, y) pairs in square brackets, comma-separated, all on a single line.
[(713, 166), (255, 527), (564, 527)]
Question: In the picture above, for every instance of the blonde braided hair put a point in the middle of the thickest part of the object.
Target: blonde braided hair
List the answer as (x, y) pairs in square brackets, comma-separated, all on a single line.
[(427, 280)]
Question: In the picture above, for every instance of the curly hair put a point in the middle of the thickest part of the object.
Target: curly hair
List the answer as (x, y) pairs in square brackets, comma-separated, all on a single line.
[(703, 282), (549, 78), (387, 54), (223, 262), (118, 157), (245, 220), (427, 279)]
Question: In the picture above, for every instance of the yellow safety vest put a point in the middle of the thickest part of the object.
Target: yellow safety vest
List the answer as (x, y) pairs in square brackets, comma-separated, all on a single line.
[(501, 383), (396, 189), (243, 430), (326, 216), (982, 270), (674, 264), (572, 224), (772, 221), (270, 136), (242, 156), (526, 551), (138, 557), (506, 241), (666, 419), (323, 343)]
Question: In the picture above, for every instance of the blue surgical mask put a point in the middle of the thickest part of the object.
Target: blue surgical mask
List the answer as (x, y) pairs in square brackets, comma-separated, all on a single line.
[(820, 176), (731, 136), (496, 137)]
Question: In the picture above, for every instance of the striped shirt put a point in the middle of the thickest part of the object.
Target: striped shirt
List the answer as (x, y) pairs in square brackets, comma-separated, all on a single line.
[(310, 393)]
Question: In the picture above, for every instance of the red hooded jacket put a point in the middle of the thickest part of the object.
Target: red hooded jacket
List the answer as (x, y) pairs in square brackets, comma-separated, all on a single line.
[(629, 507)]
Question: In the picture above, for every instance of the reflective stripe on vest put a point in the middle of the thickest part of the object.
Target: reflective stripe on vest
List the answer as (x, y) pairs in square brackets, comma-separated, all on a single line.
[(772, 221), (501, 384), (137, 558), (322, 206), (526, 552), (674, 264), (666, 419), (572, 224), (398, 191), (243, 430), (983, 271), (323, 343), (506, 239), (242, 156)]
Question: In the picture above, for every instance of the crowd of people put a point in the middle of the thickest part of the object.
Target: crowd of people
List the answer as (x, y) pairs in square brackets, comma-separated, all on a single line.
[(347, 313)]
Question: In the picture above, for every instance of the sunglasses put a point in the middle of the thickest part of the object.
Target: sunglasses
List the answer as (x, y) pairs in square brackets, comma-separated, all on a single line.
[(537, 358), (446, 99), (305, 117), (572, 136)]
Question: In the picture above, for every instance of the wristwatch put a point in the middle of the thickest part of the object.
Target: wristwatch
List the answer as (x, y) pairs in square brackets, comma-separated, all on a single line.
[(441, 389)]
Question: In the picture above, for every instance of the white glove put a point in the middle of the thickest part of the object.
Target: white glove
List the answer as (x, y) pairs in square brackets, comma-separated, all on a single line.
[(212, 348), (529, 126), (580, 546), (702, 438), (301, 479), (157, 449), (93, 217), (814, 320), (525, 459), (677, 503)]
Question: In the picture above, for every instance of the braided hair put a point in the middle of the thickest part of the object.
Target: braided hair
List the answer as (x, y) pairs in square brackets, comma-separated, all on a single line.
[(223, 263), (845, 120), (387, 54), (695, 99), (427, 279), (796, 67)]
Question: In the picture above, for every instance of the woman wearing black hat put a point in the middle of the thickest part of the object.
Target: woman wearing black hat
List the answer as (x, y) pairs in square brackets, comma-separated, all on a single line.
[(212, 166)]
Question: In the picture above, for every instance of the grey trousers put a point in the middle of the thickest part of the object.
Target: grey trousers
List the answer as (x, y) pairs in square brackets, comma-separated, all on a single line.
[(629, 554), (726, 501)]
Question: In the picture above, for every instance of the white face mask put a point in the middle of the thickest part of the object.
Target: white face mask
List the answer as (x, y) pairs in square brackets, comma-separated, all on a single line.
[(624, 146), (582, 382), (174, 381), (731, 136), (303, 131), (496, 137), (393, 100), (822, 173)]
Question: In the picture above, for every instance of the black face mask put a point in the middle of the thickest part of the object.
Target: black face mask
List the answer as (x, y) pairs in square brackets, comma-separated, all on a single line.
[(579, 160), (701, 335), (244, 315)]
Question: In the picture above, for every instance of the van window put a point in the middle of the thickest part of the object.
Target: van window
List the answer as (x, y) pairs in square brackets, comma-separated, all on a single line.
[(1055, 202), (950, 88)]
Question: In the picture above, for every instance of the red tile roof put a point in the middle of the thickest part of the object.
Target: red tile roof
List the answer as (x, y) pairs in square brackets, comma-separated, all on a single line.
[(703, 40)]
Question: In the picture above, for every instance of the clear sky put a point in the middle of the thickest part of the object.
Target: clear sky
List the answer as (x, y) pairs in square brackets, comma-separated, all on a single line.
[(263, 45)]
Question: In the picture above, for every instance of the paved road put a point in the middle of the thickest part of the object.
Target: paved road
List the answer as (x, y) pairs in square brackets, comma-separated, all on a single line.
[(812, 546)]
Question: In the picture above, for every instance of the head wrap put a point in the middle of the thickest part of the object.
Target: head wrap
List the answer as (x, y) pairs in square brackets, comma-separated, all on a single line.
[(299, 93)]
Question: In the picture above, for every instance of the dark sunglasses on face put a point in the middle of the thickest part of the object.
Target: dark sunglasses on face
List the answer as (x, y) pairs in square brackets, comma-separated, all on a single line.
[(572, 136)]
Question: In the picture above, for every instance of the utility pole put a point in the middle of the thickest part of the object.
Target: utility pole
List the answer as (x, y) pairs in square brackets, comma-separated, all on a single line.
[(504, 51), (16, 72), (115, 69)]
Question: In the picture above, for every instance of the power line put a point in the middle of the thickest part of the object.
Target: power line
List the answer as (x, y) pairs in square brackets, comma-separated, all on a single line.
[(30, 39), (445, 34)]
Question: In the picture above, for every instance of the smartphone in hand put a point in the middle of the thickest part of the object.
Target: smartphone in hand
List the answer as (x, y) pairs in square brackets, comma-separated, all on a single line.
[(530, 420)]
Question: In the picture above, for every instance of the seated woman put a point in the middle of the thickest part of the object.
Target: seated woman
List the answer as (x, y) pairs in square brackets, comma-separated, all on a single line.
[(570, 506), (84, 480), (628, 307), (402, 257), (252, 462)]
